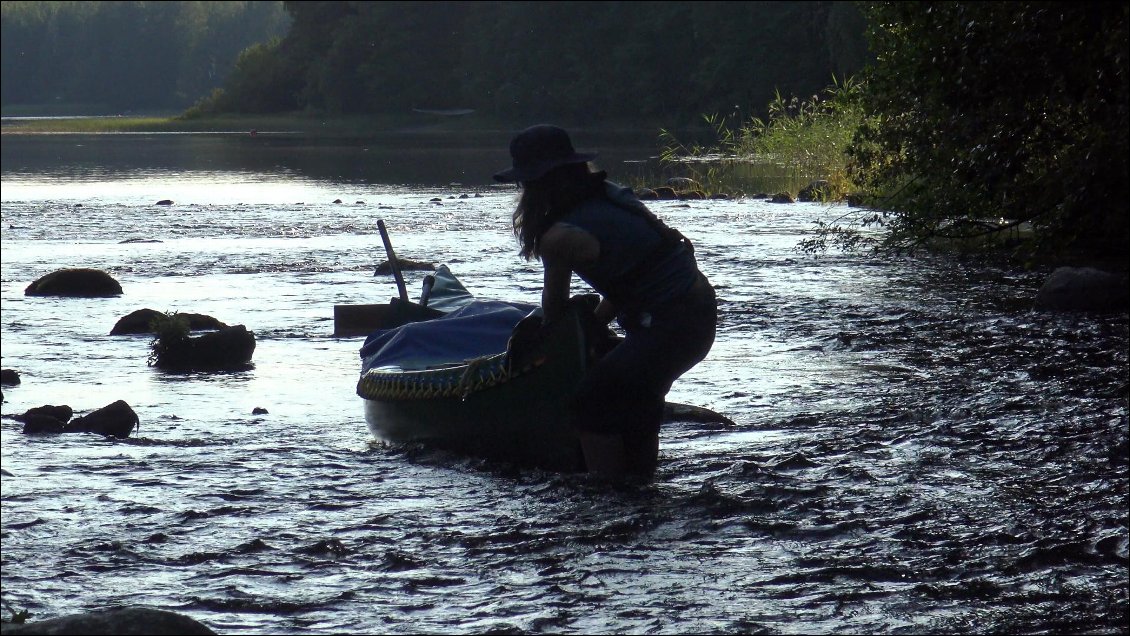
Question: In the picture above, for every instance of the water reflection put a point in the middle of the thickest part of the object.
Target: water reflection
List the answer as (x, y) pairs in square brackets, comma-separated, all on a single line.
[(407, 159)]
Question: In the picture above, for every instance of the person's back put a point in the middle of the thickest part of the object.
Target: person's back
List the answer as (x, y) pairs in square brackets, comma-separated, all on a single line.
[(639, 266)]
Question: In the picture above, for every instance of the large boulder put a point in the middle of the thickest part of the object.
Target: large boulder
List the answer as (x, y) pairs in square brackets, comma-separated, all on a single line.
[(141, 321), (227, 349), (1083, 289), (126, 621), (113, 420), (675, 412), (80, 282), (9, 376)]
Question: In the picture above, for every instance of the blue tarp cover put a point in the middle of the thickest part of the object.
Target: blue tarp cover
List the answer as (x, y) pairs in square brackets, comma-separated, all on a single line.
[(480, 328)]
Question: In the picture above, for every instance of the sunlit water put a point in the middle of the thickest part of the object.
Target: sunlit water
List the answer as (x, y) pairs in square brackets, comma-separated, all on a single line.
[(914, 450)]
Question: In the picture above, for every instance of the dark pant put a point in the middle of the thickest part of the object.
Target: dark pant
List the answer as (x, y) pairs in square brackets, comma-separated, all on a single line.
[(624, 391)]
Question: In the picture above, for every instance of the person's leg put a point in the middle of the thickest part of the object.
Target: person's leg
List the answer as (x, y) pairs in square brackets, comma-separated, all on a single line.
[(605, 455), (606, 404), (634, 451), (618, 407), (641, 443)]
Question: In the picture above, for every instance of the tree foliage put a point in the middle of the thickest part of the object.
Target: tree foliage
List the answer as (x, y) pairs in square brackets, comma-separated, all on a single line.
[(989, 110), (567, 61), (115, 56)]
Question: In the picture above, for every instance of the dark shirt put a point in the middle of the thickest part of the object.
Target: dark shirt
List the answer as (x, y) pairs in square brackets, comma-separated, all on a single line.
[(638, 269)]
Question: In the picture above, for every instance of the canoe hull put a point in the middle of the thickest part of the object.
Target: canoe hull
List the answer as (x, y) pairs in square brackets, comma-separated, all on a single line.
[(521, 419)]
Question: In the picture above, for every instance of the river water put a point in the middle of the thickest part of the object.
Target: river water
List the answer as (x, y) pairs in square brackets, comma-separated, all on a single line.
[(914, 448)]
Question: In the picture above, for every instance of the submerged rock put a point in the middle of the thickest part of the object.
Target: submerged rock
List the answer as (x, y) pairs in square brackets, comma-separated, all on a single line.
[(406, 265), (675, 412), (127, 621), (80, 282)]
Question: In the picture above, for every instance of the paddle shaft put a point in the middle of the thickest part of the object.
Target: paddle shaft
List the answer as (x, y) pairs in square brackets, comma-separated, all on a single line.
[(392, 262)]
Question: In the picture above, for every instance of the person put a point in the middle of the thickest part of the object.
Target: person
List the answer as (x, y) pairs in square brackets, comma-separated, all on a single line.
[(573, 219)]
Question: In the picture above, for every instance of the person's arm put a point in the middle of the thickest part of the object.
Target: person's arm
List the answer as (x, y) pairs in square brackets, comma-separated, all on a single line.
[(605, 311), (555, 289), (563, 248)]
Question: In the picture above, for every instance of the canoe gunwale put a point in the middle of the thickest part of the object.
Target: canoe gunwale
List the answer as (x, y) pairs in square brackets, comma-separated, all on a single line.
[(458, 381)]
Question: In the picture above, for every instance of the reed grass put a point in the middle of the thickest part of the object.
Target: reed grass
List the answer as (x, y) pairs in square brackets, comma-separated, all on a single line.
[(800, 142)]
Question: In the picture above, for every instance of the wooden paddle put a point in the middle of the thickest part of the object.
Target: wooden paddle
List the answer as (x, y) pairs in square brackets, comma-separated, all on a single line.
[(392, 262), (360, 320)]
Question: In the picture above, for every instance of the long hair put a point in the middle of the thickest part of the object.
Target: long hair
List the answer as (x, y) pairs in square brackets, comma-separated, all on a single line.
[(546, 199)]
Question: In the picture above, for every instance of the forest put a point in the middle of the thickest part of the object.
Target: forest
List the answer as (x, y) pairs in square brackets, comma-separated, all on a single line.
[(99, 58), (947, 119), (660, 62)]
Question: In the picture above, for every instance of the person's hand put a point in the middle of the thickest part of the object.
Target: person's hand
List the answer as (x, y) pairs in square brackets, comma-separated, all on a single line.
[(584, 304), (525, 338), (599, 338)]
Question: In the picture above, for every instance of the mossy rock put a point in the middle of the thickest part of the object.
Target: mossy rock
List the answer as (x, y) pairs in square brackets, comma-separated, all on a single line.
[(79, 282), (141, 321), (228, 349)]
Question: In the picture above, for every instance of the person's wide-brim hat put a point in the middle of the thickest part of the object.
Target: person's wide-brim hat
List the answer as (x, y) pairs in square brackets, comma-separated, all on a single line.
[(539, 149)]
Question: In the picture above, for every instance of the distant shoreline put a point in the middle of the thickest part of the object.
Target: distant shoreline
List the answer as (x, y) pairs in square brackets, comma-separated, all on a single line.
[(346, 126), (288, 123)]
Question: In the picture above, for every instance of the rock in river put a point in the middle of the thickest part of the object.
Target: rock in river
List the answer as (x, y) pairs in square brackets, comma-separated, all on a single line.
[(1083, 289), (127, 621), (141, 321), (81, 282)]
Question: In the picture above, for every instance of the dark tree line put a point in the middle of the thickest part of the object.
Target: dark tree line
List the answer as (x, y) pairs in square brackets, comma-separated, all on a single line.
[(976, 109), (115, 56), (665, 62), (571, 61)]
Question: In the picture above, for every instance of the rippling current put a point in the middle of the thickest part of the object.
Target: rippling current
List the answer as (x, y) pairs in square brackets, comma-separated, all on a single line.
[(914, 448)]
